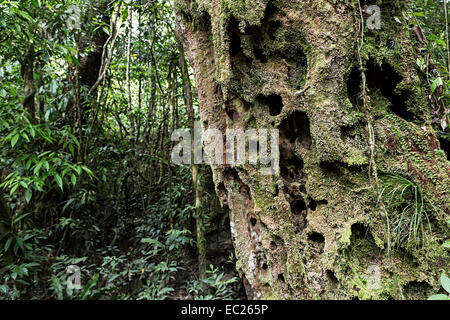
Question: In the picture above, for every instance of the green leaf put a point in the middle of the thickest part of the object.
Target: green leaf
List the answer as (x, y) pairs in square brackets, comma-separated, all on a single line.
[(8, 243), (438, 297), (14, 140), (436, 83), (19, 218), (445, 282), (73, 178), (152, 241), (90, 285), (38, 167), (59, 181), (71, 149), (4, 289), (28, 195)]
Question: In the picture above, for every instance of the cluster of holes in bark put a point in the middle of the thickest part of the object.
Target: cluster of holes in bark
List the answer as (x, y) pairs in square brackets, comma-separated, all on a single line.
[(313, 203), (330, 168), (261, 40), (254, 225), (383, 78), (299, 213), (294, 133), (276, 242)]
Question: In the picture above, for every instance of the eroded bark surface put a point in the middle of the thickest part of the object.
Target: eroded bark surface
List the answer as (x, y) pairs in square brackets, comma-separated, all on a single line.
[(317, 229)]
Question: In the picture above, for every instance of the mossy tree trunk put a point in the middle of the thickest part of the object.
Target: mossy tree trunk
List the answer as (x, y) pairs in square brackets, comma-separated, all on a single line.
[(351, 106)]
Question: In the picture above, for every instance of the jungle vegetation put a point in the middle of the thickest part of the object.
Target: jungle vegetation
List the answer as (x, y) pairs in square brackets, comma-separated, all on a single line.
[(92, 90)]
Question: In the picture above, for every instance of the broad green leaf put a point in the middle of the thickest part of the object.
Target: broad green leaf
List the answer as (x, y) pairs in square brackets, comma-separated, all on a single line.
[(37, 168), (438, 297), (59, 181), (436, 83), (73, 178), (8, 244), (152, 241), (445, 282), (28, 195), (14, 140)]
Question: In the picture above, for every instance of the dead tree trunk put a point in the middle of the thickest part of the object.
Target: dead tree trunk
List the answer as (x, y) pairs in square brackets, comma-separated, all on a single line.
[(351, 106)]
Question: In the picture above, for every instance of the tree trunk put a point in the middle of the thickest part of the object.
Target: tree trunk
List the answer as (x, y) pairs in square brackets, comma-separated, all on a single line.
[(350, 106), (29, 88), (5, 216), (196, 171)]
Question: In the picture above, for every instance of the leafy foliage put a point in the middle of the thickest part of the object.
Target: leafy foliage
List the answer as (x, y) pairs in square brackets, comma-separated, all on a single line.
[(85, 171), (445, 283)]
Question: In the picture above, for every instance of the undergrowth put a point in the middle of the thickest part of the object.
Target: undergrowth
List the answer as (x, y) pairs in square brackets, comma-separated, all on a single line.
[(405, 205)]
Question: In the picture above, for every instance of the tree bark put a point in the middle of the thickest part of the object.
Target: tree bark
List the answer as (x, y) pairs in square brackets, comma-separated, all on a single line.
[(29, 87), (5, 216), (350, 105)]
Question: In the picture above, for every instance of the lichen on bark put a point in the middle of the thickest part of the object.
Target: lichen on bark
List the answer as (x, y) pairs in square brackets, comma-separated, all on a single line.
[(316, 230)]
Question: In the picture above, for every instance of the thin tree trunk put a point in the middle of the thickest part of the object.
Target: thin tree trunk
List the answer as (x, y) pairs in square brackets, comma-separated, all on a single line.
[(130, 35), (5, 216), (28, 83), (200, 226)]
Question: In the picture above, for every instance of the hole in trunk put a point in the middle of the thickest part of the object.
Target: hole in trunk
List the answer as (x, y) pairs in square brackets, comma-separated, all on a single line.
[(416, 290), (235, 37), (298, 207), (258, 53), (245, 191), (316, 237), (274, 102), (296, 126), (274, 25), (383, 78), (359, 231), (333, 282), (445, 145)]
